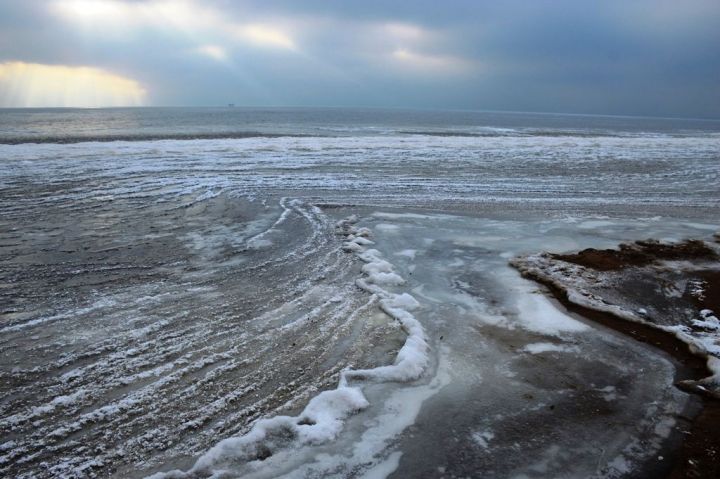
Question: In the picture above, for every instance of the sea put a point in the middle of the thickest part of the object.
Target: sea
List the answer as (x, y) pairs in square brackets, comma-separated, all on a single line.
[(326, 292)]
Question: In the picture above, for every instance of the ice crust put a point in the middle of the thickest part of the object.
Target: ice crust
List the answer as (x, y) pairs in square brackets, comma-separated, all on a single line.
[(166, 371), (321, 421), (323, 418), (539, 348), (580, 287)]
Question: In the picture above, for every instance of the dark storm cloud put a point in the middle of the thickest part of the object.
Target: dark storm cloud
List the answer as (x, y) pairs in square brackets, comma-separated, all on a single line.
[(644, 57)]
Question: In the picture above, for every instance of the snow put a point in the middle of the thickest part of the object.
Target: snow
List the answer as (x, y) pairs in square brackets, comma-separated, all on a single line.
[(397, 216), (578, 282), (483, 438), (539, 348), (321, 421), (412, 358), (537, 313), (408, 253), (515, 202), (256, 243), (387, 228), (402, 301), (101, 303), (378, 270), (37, 411)]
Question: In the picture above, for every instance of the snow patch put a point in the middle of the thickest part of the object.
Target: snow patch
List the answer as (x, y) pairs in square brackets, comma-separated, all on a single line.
[(387, 228), (321, 421), (539, 348), (482, 438), (258, 243), (408, 253), (538, 314), (702, 339), (409, 216)]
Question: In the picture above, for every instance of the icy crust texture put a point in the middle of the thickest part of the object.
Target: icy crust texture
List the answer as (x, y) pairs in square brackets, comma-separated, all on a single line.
[(611, 292), (323, 418)]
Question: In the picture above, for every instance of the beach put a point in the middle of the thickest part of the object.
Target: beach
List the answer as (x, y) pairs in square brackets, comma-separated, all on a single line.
[(680, 322), (330, 293)]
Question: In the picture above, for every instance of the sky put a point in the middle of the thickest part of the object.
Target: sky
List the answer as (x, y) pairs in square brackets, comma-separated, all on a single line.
[(624, 57)]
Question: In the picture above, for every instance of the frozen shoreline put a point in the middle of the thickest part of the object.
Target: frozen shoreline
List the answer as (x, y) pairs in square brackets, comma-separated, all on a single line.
[(490, 336), (590, 277), (162, 296), (614, 283), (322, 420)]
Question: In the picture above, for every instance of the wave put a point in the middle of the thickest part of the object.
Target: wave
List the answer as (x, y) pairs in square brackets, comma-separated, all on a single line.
[(19, 140), (530, 133), (484, 133)]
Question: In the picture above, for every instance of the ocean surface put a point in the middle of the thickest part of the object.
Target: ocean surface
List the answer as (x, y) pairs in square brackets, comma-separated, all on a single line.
[(326, 292)]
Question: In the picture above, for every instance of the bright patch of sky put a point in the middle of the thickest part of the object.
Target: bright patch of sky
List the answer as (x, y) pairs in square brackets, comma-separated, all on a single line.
[(32, 85)]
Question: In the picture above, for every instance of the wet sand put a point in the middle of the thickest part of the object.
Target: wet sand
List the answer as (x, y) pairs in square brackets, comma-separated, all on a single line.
[(697, 440)]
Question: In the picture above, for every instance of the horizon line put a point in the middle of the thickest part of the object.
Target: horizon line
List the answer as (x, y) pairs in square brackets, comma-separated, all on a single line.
[(319, 107)]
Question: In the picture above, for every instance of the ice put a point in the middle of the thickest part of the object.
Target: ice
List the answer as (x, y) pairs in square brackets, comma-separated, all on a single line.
[(402, 301), (230, 302), (609, 393), (539, 348), (361, 241), (386, 227), (412, 358), (408, 253), (324, 417), (385, 468), (385, 278), (395, 216), (595, 224), (483, 438), (256, 243), (378, 270), (367, 455), (536, 313), (708, 320), (321, 421), (377, 266), (584, 287), (328, 410)]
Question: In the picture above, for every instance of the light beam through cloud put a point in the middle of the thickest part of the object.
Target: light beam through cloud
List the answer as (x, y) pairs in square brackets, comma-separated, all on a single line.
[(36, 85), (214, 52), (438, 64)]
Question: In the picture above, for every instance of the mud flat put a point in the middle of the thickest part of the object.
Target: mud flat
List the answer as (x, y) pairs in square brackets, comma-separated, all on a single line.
[(664, 294)]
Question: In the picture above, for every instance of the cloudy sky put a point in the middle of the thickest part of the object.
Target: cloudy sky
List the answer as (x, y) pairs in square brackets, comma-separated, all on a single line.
[(637, 57)]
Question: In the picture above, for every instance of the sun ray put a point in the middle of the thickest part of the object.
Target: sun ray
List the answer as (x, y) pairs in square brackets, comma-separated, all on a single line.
[(32, 85)]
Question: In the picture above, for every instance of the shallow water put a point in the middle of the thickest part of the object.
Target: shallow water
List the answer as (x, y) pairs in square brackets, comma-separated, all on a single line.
[(160, 296)]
